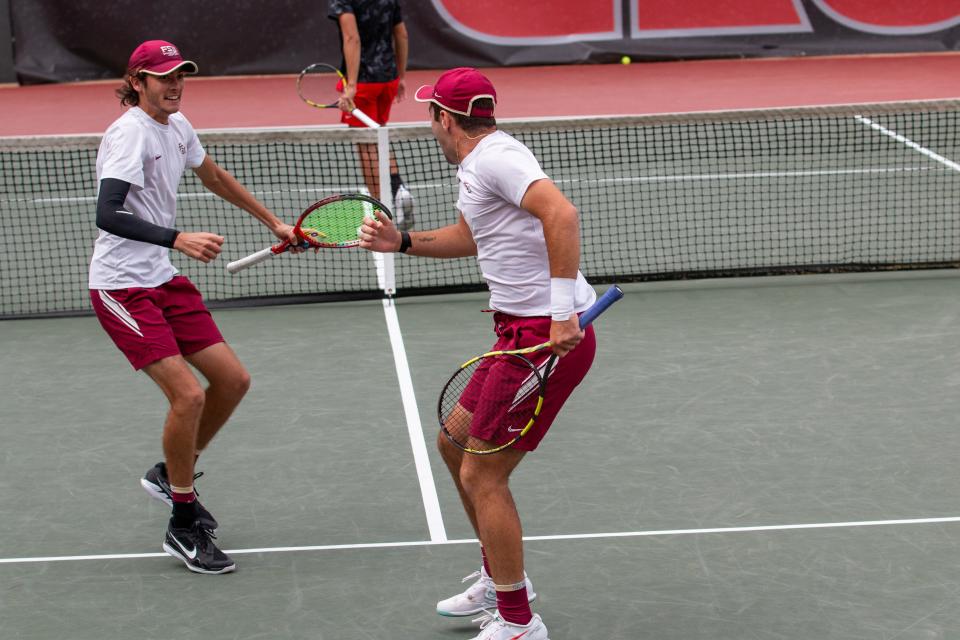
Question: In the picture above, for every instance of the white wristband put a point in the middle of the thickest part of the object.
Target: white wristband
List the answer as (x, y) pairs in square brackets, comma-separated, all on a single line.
[(561, 298)]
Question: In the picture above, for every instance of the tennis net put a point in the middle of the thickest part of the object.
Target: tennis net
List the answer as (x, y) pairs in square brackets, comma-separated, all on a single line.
[(807, 190)]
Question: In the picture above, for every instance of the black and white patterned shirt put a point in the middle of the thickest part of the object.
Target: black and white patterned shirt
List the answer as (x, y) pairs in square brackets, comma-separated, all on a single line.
[(375, 22)]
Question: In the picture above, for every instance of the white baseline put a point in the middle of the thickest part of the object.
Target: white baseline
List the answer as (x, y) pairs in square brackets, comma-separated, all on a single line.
[(572, 536)]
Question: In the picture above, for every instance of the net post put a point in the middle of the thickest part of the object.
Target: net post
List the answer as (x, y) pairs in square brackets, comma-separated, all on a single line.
[(388, 282)]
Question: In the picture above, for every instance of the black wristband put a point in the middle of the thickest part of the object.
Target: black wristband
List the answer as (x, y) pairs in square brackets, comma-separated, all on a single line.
[(404, 241)]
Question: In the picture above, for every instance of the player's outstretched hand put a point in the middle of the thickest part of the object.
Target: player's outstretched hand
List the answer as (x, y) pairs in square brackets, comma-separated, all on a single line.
[(379, 235), (199, 245)]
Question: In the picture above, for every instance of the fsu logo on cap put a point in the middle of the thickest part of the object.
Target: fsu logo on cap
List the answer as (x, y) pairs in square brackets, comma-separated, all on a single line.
[(158, 58)]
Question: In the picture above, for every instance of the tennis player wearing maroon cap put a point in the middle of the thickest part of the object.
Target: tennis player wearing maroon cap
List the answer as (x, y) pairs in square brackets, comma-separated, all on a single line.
[(526, 236), (156, 317)]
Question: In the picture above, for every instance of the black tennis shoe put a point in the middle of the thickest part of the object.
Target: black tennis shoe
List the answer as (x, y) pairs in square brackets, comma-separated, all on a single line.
[(155, 482), (196, 548)]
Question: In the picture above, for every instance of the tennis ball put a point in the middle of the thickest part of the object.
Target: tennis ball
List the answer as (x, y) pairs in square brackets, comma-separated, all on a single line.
[(625, 60)]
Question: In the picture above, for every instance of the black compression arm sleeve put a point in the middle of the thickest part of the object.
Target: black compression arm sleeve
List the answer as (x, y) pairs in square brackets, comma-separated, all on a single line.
[(113, 218)]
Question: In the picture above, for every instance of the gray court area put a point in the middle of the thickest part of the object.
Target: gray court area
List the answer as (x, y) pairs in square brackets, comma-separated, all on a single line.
[(664, 504)]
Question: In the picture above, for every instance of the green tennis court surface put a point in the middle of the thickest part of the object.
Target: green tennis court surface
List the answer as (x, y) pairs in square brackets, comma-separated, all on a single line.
[(768, 459)]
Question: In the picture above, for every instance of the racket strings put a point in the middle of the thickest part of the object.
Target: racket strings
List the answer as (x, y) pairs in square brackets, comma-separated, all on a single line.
[(454, 417), (320, 86), (336, 223), (486, 413)]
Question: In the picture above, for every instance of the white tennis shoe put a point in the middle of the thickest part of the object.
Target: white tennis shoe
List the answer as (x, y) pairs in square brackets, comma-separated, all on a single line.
[(493, 627), (480, 596), (403, 207)]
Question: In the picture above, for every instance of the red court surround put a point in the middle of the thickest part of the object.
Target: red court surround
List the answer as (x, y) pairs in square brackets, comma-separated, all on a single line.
[(662, 87)]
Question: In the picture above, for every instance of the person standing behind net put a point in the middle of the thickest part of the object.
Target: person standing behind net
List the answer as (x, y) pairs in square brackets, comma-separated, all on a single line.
[(156, 317), (526, 236), (374, 41)]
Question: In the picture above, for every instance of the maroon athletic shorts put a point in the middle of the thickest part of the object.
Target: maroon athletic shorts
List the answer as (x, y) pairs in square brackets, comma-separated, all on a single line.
[(493, 374), (148, 324)]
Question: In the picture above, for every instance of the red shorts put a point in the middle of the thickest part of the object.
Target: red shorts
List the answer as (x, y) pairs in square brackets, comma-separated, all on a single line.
[(493, 374), (374, 99), (150, 324)]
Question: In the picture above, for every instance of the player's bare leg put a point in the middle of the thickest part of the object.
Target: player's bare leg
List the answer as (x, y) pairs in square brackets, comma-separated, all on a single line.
[(403, 200), (187, 399), (480, 595), (189, 535), (453, 457), (485, 481), (228, 383), (369, 165)]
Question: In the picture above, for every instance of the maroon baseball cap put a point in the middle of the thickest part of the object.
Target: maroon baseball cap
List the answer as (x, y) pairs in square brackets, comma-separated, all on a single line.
[(158, 58), (456, 90)]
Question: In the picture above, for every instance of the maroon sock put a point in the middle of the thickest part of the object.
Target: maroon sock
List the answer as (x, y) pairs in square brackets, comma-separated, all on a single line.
[(514, 606), (486, 565), (183, 497)]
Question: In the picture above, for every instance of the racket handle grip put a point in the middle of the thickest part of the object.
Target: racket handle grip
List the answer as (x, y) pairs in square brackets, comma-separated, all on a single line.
[(250, 260), (365, 119), (603, 303)]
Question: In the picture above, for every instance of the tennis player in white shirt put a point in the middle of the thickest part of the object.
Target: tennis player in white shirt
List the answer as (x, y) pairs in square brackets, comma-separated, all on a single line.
[(155, 316), (525, 234)]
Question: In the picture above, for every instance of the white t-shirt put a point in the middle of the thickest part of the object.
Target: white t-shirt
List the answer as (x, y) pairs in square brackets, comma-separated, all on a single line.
[(152, 158), (511, 249)]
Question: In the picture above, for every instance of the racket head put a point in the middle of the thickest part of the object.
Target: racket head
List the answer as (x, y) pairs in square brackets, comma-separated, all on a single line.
[(319, 85), (334, 222), (491, 401)]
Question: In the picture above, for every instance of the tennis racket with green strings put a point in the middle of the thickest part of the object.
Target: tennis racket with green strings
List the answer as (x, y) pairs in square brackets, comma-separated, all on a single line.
[(320, 86), (518, 404), (331, 223)]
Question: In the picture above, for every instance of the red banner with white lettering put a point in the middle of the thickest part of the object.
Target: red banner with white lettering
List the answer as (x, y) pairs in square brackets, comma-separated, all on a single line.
[(60, 40)]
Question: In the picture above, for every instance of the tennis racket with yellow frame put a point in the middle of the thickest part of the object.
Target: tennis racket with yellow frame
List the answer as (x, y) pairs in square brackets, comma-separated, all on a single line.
[(319, 85), (516, 403)]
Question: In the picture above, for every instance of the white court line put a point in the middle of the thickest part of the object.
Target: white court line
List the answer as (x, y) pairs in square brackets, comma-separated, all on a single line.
[(910, 143), (703, 177), (572, 536), (428, 490)]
